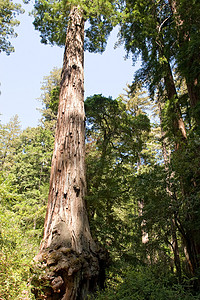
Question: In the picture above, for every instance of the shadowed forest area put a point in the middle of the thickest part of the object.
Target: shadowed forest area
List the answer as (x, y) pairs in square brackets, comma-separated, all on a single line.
[(132, 227)]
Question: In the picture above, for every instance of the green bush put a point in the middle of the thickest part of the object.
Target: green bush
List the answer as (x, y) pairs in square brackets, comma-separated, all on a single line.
[(17, 249), (143, 283)]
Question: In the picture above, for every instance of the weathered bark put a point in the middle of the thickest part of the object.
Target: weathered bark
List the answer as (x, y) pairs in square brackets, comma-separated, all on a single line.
[(67, 182), (69, 253)]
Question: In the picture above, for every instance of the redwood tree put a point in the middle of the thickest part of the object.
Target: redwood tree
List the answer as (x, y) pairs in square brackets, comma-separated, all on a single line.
[(187, 26), (73, 263)]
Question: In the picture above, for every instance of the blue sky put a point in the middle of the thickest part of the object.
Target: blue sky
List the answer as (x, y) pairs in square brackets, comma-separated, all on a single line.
[(22, 72)]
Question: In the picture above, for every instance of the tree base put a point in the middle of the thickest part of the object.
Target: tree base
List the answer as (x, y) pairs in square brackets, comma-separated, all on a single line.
[(64, 274)]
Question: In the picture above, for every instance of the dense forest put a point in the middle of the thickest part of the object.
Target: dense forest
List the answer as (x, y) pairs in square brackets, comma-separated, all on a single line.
[(140, 236)]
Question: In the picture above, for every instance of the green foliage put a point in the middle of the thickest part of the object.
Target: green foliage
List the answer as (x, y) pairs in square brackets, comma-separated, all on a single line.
[(33, 160), (143, 283), (8, 12), (98, 33), (51, 20), (23, 195), (52, 17), (31, 173), (163, 35), (143, 35), (54, 99), (187, 159), (188, 28), (16, 251), (112, 153), (9, 142), (50, 99)]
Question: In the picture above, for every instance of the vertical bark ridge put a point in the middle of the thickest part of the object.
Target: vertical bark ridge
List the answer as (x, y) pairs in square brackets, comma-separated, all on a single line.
[(67, 183)]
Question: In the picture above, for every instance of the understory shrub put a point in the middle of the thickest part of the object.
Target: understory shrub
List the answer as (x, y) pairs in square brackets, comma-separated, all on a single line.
[(143, 283)]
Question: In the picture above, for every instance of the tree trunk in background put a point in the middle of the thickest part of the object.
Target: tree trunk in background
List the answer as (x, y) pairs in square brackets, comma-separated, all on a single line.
[(179, 132), (178, 129), (71, 256), (179, 126), (145, 236), (190, 236), (174, 240), (192, 81)]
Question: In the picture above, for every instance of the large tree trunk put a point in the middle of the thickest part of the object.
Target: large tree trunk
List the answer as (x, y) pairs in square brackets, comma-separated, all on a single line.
[(72, 261), (67, 182)]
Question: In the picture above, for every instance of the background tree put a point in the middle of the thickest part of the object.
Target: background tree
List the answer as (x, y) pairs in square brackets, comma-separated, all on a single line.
[(9, 142), (50, 99), (24, 185), (21, 210), (146, 34), (112, 152), (187, 26), (149, 33)]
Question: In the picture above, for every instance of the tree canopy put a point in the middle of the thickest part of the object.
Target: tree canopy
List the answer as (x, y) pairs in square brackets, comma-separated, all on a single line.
[(8, 12), (51, 19)]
